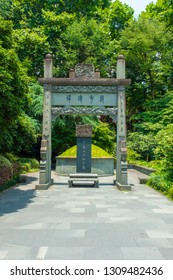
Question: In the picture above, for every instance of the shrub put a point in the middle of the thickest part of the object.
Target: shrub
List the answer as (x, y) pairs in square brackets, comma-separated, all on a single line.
[(29, 164), (12, 166), (160, 182), (170, 192), (132, 156), (6, 170)]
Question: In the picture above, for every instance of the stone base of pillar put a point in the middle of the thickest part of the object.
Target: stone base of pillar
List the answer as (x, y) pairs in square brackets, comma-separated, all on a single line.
[(122, 187), (44, 186)]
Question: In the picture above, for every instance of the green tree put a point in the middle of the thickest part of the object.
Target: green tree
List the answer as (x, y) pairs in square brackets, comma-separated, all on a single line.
[(27, 14), (13, 92), (64, 131), (84, 41), (119, 15), (104, 138), (79, 7), (146, 46), (5, 9), (164, 149), (162, 10), (31, 46), (143, 144)]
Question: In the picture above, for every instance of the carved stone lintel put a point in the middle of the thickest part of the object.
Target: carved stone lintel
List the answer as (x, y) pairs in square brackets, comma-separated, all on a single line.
[(84, 89), (98, 111)]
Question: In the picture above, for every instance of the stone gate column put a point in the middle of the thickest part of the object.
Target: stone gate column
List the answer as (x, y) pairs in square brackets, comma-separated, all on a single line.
[(46, 148), (121, 156)]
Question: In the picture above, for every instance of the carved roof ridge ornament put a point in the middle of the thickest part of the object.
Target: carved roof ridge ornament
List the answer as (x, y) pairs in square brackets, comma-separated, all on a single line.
[(84, 71)]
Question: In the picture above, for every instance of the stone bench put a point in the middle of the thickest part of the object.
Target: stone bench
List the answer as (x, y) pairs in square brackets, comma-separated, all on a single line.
[(83, 180), (83, 175)]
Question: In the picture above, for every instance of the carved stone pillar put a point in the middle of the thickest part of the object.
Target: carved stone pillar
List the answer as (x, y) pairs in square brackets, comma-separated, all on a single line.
[(121, 156), (46, 150)]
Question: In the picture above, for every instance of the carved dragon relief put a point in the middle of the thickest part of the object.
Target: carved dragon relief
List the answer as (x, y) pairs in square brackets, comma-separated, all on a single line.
[(112, 112), (84, 89), (84, 70)]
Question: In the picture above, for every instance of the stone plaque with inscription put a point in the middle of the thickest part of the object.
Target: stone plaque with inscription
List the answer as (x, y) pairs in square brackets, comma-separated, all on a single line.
[(84, 140)]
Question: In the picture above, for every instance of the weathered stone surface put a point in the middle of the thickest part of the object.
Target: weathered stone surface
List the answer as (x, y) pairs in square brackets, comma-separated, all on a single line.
[(84, 130), (101, 166), (84, 71)]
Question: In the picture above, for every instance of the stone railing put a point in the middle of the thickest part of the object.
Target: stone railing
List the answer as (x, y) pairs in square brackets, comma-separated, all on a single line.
[(143, 169)]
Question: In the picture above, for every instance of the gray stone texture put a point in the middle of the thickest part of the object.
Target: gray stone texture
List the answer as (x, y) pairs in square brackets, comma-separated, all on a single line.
[(101, 166), (86, 223)]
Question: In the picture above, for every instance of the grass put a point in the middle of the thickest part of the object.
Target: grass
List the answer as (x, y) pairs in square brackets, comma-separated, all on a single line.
[(96, 152)]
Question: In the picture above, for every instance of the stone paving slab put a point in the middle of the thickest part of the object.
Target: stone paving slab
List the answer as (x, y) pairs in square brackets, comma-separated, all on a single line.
[(85, 223)]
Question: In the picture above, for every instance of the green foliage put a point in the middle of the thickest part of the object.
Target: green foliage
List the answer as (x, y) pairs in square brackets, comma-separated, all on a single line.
[(35, 111), (31, 46), (146, 46), (79, 7), (104, 138), (12, 166), (170, 193), (5, 8), (142, 144), (64, 131), (7, 172), (84, 41), (29, 165), (88, 32), (119, 15), (4, 162), (96, 152), (162, 10), (132, 156), (27, 13), (159, 182), (14, 124), (164, 150)]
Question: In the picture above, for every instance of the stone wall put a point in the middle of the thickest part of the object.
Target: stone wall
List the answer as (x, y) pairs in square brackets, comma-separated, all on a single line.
[(100, 166)]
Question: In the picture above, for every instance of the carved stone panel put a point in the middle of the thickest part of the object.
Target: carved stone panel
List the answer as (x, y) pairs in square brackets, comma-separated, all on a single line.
[(84, 71), (84, 89), (84, 130), (111, 112)]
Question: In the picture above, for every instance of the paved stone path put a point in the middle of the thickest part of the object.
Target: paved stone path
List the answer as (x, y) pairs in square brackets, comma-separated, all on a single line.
[(85, 223)]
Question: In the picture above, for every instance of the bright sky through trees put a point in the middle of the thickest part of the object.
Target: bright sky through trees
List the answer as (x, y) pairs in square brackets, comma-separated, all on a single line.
[(138, 5)]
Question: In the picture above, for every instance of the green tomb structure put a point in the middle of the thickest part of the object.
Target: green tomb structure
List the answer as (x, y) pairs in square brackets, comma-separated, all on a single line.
[(85, 93)]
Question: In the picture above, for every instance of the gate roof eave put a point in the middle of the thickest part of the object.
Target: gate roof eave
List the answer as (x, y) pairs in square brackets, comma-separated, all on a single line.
[(84, 82)]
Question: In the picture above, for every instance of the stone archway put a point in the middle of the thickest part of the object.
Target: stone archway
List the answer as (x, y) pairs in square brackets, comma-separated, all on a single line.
[(84, 92)]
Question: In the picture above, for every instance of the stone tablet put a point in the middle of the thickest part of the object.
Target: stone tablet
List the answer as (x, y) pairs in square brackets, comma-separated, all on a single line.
[(83, 133)]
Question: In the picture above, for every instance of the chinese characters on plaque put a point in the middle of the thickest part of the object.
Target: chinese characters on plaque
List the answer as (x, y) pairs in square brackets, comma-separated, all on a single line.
[(81, 99), (84, 99)]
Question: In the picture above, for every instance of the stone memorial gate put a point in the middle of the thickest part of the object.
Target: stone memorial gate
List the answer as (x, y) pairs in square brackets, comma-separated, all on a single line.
[(85, 93)]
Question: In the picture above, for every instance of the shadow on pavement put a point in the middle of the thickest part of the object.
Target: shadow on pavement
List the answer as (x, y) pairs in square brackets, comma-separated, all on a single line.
[(15, 199)]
